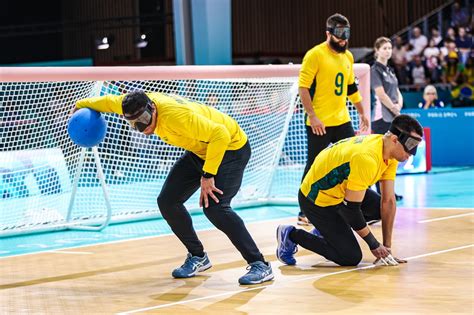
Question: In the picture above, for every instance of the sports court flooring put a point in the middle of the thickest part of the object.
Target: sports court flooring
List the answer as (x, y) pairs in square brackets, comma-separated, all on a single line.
[(126, 268)]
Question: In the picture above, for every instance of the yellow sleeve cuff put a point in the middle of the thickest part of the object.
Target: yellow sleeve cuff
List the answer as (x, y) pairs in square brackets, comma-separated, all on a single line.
[(356, 97)]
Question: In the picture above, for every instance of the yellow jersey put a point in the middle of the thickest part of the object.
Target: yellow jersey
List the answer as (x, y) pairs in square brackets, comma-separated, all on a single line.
[(327, 75), (354, 163), (190, 125)]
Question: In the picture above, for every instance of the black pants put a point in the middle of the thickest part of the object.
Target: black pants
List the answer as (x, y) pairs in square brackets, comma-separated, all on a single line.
[(184, 179), (318, 143), (338, 243)]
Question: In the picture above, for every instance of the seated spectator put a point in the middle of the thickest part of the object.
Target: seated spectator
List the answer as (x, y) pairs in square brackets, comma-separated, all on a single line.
[(459, 16), (399, 52), (463, 95), (430, 98), (418, 41), (451, 65), (431, 50), (464, 44), (450, 34), (433, 62), (436, 36), (410, 53), (418, 72)]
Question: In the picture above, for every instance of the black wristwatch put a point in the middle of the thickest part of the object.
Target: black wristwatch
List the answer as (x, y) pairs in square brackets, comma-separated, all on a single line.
[(207, 175)]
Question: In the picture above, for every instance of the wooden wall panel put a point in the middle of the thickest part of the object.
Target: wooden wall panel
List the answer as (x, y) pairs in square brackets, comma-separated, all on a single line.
[(282, 27)]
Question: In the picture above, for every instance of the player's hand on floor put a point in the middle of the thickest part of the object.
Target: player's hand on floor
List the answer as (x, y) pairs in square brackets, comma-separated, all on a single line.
[(207, 190), (383, 256), (398, 260)]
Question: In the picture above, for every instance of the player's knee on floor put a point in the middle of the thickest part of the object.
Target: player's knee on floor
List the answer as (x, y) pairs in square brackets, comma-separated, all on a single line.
[(353, 259)]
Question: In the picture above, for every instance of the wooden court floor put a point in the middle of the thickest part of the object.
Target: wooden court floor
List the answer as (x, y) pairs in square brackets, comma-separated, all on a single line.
[(134, 276)]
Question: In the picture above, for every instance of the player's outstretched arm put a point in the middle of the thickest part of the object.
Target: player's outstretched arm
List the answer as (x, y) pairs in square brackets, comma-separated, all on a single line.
[(352, 213), (387, 213), (103, 104)]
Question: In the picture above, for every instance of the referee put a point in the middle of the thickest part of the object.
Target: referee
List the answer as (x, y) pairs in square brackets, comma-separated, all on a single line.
[(388, 100)]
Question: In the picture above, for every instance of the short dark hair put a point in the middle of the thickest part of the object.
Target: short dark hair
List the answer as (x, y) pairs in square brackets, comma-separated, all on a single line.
[(407, 124), (134, 101), (337, 19)]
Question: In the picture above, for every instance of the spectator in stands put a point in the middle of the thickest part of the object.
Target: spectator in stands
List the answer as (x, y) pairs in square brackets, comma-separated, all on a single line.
[(451, 65), (450, 34), (436, 36), (418, 72), (399, 52), (459, 16), (430, 98), (418, 41), (462, 94), (433, 61), (464, 44), (411, 52)]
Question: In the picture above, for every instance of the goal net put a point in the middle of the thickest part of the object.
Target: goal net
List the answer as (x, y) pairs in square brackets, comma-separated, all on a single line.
[(39, 163)]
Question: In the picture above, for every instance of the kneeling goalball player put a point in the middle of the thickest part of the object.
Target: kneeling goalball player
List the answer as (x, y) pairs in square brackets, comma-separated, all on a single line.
[(335, 196), (217, 151)]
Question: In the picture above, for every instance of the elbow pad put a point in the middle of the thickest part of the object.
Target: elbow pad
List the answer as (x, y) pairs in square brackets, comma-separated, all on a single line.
[(352, 214)]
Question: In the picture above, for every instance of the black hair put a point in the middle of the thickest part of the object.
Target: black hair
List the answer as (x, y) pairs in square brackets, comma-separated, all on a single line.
[(337, 19), (407, 124), (133, 102)]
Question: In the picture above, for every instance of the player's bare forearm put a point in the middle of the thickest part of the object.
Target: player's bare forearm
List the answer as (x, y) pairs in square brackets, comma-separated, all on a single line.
[(360, 108), (306, 100), (364, 120), (387, 213)]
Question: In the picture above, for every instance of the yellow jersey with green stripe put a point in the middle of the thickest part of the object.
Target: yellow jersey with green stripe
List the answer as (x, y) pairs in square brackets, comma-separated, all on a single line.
[(190, 125), (328, 75), (354, 163)]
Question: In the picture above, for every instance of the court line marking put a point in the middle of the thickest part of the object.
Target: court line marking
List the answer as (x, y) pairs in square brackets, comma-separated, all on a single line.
[(284, 283), (69, 252), (100, 243), (434, 208), (209, 229), (446, 218)]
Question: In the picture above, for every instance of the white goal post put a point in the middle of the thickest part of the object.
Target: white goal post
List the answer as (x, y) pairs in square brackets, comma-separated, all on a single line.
[(121, 178)]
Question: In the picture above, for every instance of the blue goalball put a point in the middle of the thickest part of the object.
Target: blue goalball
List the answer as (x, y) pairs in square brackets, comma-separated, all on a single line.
[(87, 127)]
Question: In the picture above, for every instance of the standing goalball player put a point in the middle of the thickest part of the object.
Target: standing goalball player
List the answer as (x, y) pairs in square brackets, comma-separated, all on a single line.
[(217, 152), (326, 80)]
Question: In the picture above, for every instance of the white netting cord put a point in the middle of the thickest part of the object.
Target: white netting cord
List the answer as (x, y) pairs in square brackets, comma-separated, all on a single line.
[(33, 117)]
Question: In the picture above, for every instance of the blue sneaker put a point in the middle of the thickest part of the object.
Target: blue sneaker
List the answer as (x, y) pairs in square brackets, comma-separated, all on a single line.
[(286, 247), (259, 272), (316, 232), (191, 266)]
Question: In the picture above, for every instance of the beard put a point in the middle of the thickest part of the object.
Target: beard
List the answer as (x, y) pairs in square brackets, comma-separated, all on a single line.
[(336, 47)]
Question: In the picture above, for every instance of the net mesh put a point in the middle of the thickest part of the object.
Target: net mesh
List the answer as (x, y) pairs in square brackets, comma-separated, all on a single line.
[(39, 161)]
